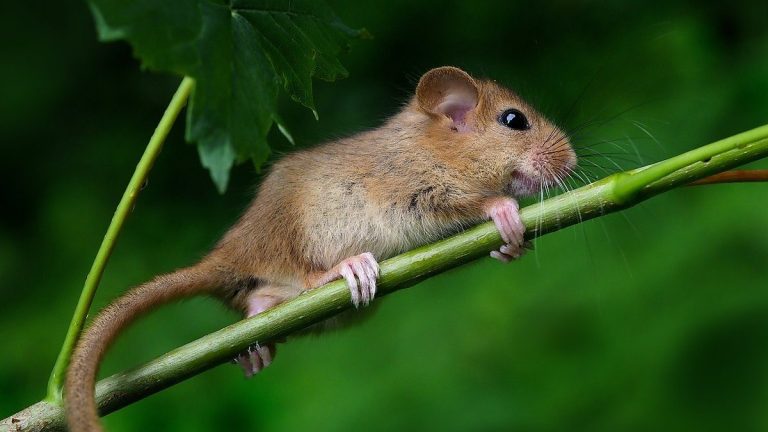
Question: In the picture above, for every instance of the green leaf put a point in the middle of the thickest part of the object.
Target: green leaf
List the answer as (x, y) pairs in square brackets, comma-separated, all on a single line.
[(241, 53)]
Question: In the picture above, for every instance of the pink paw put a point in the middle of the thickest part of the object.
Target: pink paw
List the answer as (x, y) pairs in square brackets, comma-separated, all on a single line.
[(505, 215), (360, 272), (507, 253), (256, 358)]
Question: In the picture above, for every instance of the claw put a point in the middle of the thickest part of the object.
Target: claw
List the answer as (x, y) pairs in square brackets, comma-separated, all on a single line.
[(365, 285), (348, 274), (266, 355), (371, 269)]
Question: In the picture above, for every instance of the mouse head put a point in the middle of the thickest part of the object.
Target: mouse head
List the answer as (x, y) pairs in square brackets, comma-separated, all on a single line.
[(490, 133)]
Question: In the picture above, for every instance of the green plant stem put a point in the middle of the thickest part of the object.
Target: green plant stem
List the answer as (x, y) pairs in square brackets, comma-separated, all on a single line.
[(639, 178), (603, 196), (124, 208)]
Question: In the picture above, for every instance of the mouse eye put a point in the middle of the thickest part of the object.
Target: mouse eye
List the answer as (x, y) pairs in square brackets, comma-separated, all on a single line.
[(514, 119)]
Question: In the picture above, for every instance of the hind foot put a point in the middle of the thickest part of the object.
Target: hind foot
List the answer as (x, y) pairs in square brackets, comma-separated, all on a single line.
[(257, 356)]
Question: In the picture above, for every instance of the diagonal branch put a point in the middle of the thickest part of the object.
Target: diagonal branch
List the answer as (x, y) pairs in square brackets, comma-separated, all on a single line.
[(610, 194)]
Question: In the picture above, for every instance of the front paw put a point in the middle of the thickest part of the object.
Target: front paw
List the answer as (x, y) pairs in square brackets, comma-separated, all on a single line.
[(360, 272), (505, 213)]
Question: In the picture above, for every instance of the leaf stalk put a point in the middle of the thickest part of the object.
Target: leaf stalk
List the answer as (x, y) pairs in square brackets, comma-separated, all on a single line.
[(124, 208)]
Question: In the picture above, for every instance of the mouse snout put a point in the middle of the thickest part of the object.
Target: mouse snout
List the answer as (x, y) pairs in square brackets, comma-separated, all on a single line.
[(543, 167), (553, 162)]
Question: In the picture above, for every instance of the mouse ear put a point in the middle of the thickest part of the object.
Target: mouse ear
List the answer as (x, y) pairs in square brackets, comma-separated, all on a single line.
[(448, 91)]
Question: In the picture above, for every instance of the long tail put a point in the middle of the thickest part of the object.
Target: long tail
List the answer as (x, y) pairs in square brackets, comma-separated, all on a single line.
[(82, 413)]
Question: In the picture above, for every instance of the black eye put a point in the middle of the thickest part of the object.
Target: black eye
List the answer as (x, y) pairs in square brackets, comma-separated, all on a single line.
[(514, 119)]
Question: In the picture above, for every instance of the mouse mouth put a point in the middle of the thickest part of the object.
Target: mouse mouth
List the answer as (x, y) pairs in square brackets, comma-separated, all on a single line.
[(521, 185)]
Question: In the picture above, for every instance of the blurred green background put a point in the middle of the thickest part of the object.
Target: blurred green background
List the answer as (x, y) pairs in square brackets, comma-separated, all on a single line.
[(654, 319)]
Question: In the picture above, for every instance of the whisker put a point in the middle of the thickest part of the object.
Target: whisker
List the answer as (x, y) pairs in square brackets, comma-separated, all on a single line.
[(594, 121), (599, 166), (599, 141), (650, 135), (537, 232), (637, 152), (579, 176), (560, 181), (615, 156)]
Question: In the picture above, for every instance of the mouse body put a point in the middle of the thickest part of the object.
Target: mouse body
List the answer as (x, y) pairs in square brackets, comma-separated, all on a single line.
[(461, 151)]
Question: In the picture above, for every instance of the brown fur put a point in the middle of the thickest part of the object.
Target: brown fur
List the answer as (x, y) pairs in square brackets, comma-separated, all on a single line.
[(417, 178)]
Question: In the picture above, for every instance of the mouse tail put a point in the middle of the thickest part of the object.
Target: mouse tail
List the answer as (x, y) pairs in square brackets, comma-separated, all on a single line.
[(81, 410)]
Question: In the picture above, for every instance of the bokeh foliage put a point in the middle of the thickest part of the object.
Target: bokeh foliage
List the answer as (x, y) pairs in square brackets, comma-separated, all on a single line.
[(656, 319)]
